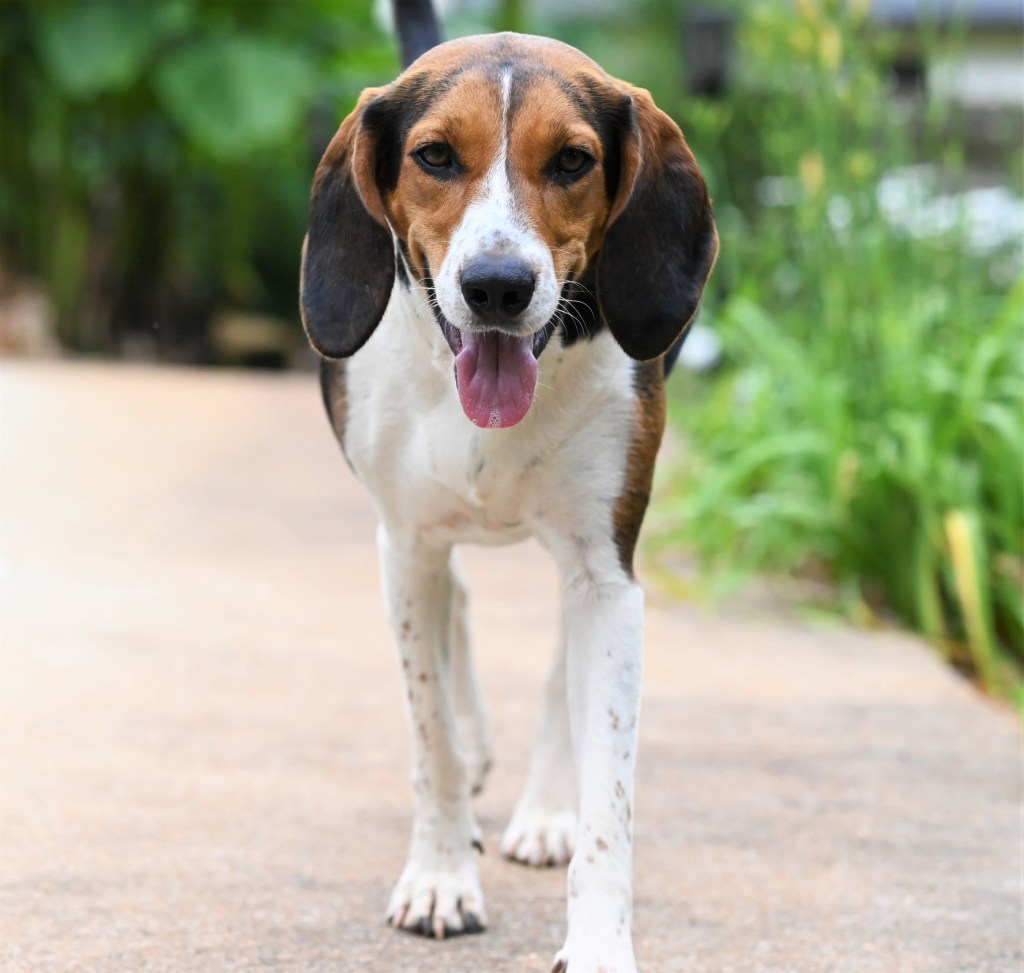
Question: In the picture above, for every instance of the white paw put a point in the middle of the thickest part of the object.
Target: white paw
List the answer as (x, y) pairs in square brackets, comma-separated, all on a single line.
[(598, 956), (434, 900), (540, 837), (600, 937)]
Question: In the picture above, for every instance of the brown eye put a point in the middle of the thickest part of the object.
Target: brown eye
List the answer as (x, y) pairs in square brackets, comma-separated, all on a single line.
[(571, 161), (436, 155)]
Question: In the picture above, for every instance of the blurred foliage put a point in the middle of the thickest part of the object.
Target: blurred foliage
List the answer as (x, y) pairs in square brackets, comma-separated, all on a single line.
[(156, 157), (867, 428)]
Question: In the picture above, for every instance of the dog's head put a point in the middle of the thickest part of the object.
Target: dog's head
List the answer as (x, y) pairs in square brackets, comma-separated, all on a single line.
[(526, 189)]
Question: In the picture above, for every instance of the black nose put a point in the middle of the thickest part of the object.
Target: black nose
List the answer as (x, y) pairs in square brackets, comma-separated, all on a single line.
[(497, 288)]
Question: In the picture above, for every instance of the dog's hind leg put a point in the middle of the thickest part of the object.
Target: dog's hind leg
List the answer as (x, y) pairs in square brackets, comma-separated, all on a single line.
[(438, 893), (473, 727), (543, 826)]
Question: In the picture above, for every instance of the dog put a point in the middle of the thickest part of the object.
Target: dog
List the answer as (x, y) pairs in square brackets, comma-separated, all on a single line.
[(505, 248)]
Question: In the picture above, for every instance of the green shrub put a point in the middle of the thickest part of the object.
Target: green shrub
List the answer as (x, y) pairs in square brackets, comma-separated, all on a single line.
[(156, 157), (867, 428)]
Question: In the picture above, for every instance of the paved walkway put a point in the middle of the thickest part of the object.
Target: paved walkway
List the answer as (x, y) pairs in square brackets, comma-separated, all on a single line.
[(203, 746)]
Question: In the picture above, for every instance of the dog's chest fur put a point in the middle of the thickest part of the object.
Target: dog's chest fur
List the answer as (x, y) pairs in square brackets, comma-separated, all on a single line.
[(446, 481)]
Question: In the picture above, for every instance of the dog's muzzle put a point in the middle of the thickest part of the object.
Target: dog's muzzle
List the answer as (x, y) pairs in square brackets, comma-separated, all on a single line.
[(495, 362)]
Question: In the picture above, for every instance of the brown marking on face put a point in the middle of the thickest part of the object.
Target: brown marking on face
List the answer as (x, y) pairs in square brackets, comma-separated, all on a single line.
[(425, 210), (648, 427), (568, 216), (552, 84)]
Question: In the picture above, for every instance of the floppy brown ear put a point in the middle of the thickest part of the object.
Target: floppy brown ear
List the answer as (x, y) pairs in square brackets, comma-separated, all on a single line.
[(348, 258), (661, 242)]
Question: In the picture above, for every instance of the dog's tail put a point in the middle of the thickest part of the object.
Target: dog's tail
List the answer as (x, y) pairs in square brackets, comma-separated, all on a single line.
[(417, 26)]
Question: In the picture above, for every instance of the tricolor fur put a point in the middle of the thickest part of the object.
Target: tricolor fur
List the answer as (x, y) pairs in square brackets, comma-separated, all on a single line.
[(504, 245)]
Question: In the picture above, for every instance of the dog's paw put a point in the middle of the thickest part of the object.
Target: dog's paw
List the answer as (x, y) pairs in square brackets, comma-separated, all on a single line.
[(436, 902), (595, 957), (540, 837)]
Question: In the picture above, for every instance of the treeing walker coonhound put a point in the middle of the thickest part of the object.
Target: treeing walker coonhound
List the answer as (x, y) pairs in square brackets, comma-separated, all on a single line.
[(505, 246)]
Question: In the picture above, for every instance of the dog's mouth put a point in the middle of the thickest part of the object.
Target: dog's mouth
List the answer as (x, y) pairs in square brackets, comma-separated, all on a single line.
[(496, 373)]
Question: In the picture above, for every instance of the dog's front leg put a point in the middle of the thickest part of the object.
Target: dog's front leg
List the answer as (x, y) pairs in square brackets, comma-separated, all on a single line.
[(604, 662), (438, 893)]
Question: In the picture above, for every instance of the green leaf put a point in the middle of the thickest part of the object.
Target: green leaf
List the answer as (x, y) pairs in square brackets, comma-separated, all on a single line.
[(97, 48), (234, 94), (970, 572)]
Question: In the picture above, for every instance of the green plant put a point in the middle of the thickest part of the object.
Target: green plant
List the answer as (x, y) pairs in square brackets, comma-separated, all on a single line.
[(156, 157), (868, 427)]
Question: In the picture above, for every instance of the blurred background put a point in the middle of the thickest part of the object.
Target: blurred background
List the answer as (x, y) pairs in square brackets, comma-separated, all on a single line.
[(852, 406)]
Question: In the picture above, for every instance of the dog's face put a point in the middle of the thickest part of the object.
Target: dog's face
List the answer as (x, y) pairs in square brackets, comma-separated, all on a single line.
[(500, 202), (526, 190)]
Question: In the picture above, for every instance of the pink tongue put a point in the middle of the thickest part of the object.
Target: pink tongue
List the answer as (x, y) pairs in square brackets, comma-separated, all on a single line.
[(497, 376)]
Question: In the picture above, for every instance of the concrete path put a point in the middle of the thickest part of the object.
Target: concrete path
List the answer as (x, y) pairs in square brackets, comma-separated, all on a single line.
[(204, 759)]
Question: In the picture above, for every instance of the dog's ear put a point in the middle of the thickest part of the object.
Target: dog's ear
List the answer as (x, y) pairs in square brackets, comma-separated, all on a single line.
[(660, 242), (348, 258)]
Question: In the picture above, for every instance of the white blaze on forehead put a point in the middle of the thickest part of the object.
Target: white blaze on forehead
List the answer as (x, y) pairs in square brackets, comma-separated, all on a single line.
[(494, 224), (495, 209), (506, 101)]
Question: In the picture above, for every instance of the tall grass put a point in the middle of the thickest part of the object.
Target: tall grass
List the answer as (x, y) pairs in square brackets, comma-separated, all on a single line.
[(868, 428)]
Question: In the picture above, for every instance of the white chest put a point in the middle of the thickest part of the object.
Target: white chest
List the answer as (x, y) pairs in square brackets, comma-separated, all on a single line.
[(431, 471)]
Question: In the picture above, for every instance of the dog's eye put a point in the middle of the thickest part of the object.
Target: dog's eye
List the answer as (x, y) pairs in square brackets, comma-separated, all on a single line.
[(436, 155), (571, 161)]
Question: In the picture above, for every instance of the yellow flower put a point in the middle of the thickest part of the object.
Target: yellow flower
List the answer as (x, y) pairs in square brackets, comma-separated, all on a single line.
[(830, 47), (801, 40), (807, 9), (812, 173)]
